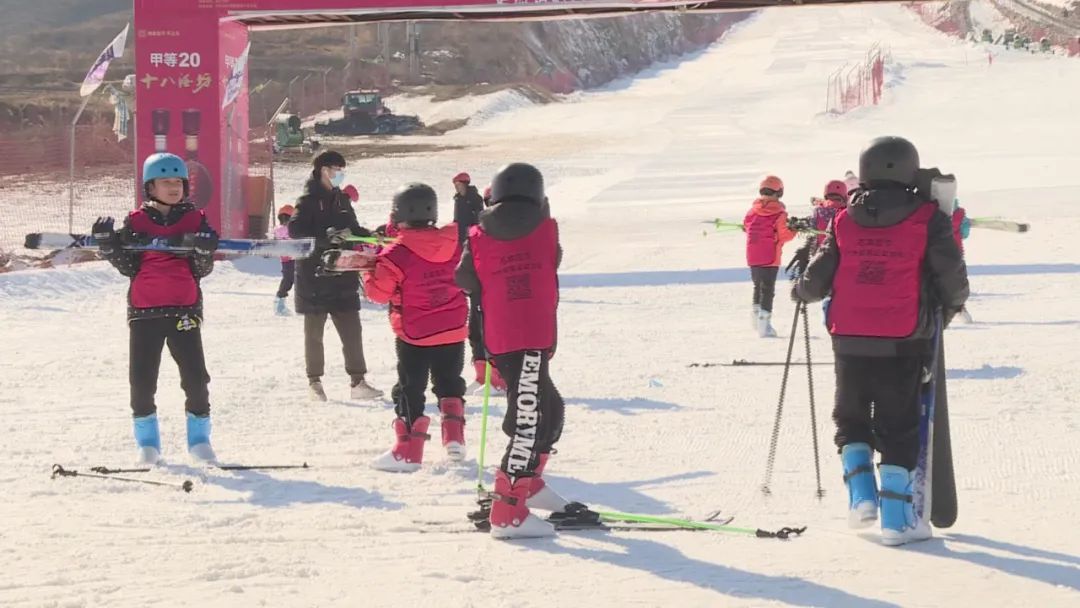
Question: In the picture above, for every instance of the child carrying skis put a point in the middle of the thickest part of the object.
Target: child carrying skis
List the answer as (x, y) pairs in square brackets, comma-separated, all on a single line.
[(892, 266), (766, 227), (510, 263), (428, 311), (164, 302)]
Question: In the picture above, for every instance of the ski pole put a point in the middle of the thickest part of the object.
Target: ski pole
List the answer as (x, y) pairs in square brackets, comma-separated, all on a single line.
[(223, 467), (813, 411), (780, 405), (782, 533), (483, 431), (59, 471)]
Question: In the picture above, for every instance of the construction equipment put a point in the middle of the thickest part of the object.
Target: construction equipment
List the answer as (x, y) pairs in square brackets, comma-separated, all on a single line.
[(289, 135), (364, 113)]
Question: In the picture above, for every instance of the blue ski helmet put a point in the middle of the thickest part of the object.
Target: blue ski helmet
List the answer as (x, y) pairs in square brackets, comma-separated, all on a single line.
[(163, 165)]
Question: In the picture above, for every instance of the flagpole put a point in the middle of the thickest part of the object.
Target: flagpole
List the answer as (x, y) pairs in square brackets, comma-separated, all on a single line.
[(71, 168)]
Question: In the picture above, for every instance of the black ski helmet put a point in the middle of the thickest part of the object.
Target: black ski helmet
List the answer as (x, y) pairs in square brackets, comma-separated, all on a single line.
[(518, 181), (889, 159), (415, 204)]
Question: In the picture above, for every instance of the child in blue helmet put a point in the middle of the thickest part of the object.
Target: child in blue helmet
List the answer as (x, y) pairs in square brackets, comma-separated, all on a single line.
[(164, 301)]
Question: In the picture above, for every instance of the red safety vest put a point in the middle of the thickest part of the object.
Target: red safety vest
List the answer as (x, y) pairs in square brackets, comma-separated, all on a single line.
[(877, 284), (520, 288), (431, 302), (761, 239), (164, 279)]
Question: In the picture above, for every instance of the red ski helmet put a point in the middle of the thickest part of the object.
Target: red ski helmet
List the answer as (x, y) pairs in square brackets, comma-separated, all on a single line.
[(463, 177), (351, 192), (837, 188), (772, 184)]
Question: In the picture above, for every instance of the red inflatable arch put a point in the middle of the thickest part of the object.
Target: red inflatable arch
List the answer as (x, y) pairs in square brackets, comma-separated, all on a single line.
[(185, 50)]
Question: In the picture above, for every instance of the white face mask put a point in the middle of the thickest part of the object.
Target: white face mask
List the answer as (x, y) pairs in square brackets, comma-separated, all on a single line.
[(338, 179)]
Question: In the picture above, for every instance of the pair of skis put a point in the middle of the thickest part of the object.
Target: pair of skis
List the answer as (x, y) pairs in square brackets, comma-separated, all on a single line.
[(267, 248)]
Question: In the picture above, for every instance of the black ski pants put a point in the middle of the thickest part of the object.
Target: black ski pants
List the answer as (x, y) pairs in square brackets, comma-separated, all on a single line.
[(347, 323), (415, 364), (534, 412), (184, 339), (878, 403), (764, 278), (288, 276), (476, 341)]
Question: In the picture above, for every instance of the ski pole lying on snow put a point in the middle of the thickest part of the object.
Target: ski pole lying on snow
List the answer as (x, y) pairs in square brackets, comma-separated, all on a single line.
[(222, 467), (782, 533), (59, 471)]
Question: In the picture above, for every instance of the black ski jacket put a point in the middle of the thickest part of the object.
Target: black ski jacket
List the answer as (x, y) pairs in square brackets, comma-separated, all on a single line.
[(944, 284), (317, 210)]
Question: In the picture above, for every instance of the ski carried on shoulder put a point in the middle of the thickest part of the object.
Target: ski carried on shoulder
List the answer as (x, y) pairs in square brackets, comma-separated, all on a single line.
[(267, 248), (998, 224), (60, 471), (348, 260)]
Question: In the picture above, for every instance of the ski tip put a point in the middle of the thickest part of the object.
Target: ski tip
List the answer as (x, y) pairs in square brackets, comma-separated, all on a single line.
[(33, 240)]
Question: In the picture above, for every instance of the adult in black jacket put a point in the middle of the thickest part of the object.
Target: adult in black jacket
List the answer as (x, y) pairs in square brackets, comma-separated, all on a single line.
[(892, 267), (325, 213), (467, 205)]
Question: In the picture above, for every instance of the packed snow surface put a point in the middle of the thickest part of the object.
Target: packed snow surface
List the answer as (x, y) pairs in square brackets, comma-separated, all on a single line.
[(647, 290)]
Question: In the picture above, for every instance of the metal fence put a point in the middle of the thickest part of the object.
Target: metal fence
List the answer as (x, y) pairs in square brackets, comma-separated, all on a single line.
[(858, 86)]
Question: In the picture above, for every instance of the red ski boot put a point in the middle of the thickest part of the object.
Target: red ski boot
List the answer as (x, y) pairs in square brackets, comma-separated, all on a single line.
[(510, 517), (453, 427), (408, 453)]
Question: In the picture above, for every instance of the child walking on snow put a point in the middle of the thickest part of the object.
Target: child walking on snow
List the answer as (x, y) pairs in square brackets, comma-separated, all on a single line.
[(766, 226), (164, 302), (288, 265), (892, 267), (428, 311)]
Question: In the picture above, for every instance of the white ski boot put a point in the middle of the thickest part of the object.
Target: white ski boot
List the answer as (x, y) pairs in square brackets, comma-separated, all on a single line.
[(764, 325), (316, 392)]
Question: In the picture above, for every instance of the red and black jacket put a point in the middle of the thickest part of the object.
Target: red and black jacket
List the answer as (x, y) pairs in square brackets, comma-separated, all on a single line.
[(163, 284)]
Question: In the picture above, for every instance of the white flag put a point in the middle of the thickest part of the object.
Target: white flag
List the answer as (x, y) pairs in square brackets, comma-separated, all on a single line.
[(96, 74), (236, 79)]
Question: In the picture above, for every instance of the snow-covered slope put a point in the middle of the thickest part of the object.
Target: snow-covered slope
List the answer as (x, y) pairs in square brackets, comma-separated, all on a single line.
[(647, 290)]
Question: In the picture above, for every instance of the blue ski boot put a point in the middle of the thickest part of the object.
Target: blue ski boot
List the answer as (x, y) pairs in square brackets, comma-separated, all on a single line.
[(198, 439), (899, 524), (148, 438), (280, 309), (858, 461)]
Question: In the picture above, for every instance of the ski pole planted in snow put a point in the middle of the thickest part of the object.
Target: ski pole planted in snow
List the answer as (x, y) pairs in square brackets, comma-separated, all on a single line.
[(483, 499), (59, 471), (780, 404)]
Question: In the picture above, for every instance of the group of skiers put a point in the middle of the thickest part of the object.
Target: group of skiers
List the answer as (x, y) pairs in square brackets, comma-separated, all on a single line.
[(887, 258), (503, 258), (882, 253)]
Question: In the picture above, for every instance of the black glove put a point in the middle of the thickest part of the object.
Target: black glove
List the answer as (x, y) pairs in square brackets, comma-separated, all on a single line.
[(798, 264), (795, 297), (108, 241), (337, 237), (205, 243)]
